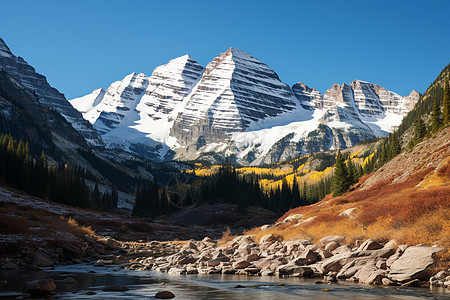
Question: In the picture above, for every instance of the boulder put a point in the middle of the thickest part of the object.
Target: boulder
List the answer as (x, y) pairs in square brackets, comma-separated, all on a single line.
[(213, 263), (332, 246), (370, 274), (268, 238), (353, 266), (332, 238), (310, 256), (42, 259), (415, 263), (293, 270), (252, 257), (189, 247), (164, 295), (324, 253), (176, 271), (42, 286), (342, 249), (241, 264), (369, 245)]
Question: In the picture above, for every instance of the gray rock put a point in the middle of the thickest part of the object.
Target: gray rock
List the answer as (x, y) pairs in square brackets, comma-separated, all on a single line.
[(370, 274), (415, 263), (42, 259), (332, 238), (369, 245), (268, 238), (241, 264), (294, 271), (332, 246)]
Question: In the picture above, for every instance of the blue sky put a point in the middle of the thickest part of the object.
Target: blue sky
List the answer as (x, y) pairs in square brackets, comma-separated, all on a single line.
[(84, 45)]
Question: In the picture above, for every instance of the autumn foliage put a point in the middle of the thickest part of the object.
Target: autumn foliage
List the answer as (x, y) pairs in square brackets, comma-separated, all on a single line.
[(411, 212)]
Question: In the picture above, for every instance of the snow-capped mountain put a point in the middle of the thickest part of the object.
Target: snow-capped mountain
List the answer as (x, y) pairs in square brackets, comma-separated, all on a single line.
[(235, 90), (25, 75), (236, 106), (136, 114)]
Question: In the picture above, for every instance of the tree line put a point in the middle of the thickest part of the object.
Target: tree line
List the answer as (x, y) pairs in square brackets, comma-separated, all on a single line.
[(40, 177)]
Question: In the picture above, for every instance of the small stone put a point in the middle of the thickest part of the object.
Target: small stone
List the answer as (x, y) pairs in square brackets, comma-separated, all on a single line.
[(91, 293), (386, 281), (69, 280), (239, 286), (164, 295)]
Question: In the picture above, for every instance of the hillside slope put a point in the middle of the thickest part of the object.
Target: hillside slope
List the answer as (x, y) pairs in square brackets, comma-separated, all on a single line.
[(407, 200)]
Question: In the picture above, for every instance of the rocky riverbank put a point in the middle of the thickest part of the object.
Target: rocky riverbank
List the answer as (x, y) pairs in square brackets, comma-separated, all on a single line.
[(331, 260)]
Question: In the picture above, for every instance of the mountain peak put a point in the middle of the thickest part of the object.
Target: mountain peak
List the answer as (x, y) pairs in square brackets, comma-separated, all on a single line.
[(4, 49)]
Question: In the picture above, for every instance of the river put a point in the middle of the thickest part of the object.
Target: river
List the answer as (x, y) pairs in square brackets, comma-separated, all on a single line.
[(145, 284)]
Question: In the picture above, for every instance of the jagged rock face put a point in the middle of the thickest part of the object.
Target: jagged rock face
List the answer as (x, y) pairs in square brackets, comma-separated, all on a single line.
[(309, 98), (372, 99), (169, 85), (236, 89), (137, 112), (17, 68), (119, 102)]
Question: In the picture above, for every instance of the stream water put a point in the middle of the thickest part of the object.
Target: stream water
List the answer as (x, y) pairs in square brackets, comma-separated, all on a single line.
[(145, 284)]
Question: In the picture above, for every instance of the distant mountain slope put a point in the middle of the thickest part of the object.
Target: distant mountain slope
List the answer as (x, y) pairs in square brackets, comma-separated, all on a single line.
[(237, 106), (24, 74)]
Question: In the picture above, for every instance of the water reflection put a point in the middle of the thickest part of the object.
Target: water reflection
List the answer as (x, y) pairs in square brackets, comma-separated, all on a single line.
[(146, 284)]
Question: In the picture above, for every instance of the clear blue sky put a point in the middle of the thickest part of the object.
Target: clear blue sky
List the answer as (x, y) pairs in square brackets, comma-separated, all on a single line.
[(84, 45)]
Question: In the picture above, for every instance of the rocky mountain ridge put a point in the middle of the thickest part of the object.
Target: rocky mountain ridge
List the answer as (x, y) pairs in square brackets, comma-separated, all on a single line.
[(236, 106), (26, 76)]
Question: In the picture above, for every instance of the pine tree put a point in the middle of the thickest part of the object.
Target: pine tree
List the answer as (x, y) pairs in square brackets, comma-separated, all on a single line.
[(395, 148), (340, 178), (446, 103), (419, 130), (295, 193), (436, 120), (352, 172), (96, 195)]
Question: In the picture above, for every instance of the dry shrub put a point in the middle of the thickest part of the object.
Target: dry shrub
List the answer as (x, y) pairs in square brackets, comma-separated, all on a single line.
[(11, 224), (444, 170), (226, 237), (326, 218), (71, 225)]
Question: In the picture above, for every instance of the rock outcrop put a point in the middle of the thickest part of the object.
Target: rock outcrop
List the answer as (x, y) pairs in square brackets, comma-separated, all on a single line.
[(299, 258)]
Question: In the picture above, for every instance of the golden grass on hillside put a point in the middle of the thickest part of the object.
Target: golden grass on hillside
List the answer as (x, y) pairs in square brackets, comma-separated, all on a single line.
[(403, 211)]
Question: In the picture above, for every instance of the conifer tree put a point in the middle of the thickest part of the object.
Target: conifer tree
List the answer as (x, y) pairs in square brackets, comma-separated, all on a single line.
[(395, 148), (352, 172), (436, 120), (340, 178), (295, 193), (446, 103), (419, 130)]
